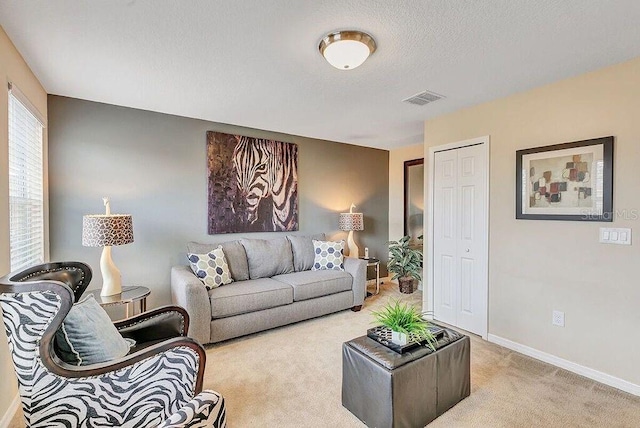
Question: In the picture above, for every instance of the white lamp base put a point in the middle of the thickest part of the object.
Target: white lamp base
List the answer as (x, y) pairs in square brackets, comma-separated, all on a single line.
[(111, 278), (353, 248)]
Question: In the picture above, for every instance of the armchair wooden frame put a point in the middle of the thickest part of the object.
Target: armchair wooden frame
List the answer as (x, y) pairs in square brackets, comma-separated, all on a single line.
[(62, 284)]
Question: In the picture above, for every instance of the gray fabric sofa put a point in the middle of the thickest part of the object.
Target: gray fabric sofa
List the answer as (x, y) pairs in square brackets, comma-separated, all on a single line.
[(273, 286)]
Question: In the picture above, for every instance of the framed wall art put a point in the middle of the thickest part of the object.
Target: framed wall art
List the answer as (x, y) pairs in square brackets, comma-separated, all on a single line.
[(252, 184), (570, 181)]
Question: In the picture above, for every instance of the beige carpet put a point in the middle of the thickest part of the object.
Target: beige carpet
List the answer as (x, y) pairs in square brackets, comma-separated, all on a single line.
[(291, 377)]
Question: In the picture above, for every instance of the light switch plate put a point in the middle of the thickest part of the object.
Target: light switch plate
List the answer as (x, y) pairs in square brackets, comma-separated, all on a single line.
[(611, 235)]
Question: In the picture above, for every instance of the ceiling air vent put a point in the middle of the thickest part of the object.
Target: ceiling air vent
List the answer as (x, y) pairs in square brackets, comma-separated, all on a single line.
[(423, 98)]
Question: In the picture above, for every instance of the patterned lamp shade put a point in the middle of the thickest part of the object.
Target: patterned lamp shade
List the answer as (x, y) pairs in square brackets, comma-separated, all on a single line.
[(351, 221), (107, 230)]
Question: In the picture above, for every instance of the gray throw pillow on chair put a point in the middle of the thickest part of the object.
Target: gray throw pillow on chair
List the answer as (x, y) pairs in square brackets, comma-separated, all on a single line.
[(88, 336)]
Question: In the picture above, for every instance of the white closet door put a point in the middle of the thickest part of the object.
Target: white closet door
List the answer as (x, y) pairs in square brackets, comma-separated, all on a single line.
[(460, 247), (472, 248), (445, 224)]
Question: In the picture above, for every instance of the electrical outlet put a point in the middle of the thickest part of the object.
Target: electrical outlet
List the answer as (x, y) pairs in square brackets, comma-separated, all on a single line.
[(558, 318)]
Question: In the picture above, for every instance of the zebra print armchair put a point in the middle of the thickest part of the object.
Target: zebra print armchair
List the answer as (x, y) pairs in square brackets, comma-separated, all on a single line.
[(158, 384)]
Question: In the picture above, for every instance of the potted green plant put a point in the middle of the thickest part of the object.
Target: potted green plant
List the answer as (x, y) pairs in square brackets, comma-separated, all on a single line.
[(405, 263), (406, 323)]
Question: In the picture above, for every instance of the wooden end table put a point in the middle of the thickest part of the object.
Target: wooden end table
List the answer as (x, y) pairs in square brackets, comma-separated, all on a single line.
[(129, 296)]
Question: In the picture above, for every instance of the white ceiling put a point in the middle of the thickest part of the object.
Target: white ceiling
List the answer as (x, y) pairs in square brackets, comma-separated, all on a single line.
[(256, 63)]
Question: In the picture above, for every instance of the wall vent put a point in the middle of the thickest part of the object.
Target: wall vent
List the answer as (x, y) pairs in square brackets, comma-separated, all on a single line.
[(422, 98)]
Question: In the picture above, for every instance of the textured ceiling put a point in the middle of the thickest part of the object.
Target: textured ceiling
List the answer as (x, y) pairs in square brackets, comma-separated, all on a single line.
[(256, 63)]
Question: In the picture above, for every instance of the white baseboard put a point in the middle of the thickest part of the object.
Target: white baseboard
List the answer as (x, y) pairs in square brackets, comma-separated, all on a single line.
[(590, 373), (10, 413)]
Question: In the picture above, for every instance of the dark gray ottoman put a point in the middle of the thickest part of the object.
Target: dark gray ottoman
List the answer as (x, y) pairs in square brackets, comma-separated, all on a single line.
[(386, 389)]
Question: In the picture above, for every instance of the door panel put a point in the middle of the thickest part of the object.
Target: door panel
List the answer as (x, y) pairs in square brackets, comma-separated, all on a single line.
[(472, 247), (466, 285), (460, 238), (447, 288), (448, 167), (445, 236), (467, 213), (467, 165), (448, 210)]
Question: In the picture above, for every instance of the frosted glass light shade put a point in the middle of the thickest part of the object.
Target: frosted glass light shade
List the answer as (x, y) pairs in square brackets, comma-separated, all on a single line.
[(346, 54), (346, 50)]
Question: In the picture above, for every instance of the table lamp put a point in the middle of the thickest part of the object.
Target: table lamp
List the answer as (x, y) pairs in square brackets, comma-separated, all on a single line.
[(350, 222), (107, 230)]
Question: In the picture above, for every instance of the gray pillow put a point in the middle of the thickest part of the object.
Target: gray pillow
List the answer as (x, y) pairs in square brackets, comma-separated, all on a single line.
[(268, 258), (88, 336), (233, 252), (302, 248)]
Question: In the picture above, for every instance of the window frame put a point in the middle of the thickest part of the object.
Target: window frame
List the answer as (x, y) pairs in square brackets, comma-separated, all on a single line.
[(32, 174)]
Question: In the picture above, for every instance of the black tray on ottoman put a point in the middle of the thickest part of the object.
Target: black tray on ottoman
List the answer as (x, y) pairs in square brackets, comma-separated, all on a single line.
[(382, 335)]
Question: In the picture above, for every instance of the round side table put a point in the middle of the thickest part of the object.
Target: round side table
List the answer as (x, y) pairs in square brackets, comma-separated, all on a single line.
[(129, 296), (371, 262)]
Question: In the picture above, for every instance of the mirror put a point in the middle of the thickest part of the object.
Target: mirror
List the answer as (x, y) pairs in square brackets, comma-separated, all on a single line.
[(414, 201)]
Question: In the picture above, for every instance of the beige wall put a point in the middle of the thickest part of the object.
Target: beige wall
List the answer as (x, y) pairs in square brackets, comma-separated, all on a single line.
[(12, 69), (396, 186), (538, 266)]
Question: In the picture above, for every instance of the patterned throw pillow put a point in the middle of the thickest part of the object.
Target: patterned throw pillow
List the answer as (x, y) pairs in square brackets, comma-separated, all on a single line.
[(211, 268), (328, 255)]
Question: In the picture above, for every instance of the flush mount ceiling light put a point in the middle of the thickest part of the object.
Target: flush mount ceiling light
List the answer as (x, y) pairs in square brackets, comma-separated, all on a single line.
[(346, 50)]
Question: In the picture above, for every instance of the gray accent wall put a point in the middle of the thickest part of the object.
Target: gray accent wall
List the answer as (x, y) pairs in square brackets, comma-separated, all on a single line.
[(153, 166)]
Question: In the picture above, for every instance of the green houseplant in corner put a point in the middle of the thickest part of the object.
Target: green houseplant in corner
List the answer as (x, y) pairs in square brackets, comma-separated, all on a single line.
[(405, 263), (406, 324)]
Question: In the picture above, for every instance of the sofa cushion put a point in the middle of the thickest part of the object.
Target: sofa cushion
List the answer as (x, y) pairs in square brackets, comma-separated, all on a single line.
[(302, 248), (233, 252), (249, 296), (310, 284), (328, 255), (267, 258)]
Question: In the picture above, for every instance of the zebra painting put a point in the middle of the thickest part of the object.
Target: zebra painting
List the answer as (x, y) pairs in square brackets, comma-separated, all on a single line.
[(253, 184)]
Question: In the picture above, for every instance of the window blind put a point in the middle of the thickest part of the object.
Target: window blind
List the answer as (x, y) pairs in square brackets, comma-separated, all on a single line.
[(26, 205)]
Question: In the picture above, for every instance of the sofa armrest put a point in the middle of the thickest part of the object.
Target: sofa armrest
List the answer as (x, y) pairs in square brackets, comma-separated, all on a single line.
[(190, 293), (358, 270)]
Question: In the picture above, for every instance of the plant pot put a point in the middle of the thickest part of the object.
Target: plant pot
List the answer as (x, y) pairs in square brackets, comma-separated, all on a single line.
[(406, 284), (399, 338)]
